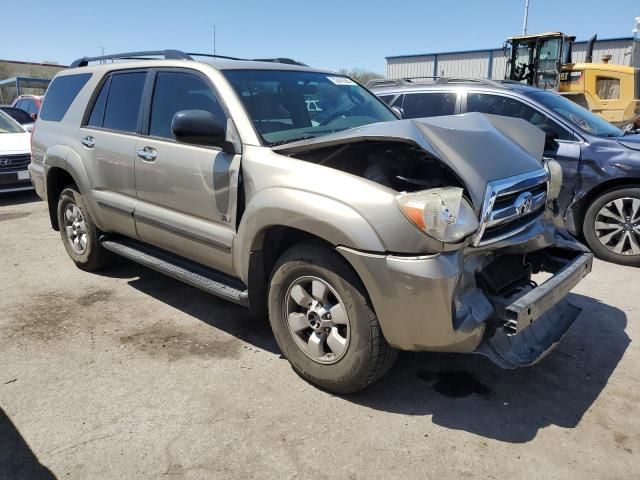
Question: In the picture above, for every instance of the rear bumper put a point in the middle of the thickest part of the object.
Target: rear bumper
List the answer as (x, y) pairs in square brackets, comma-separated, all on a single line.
[(433, 303)]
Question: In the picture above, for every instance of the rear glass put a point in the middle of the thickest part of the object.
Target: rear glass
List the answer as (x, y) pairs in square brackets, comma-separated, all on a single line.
[(60, 95)]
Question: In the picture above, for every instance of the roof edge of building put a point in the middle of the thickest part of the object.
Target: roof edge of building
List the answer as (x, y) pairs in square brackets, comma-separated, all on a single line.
[(480, 50)]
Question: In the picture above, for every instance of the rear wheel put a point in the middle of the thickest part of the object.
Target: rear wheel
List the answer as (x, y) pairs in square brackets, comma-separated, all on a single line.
[(79, 233), (323, 322), (612, 226)]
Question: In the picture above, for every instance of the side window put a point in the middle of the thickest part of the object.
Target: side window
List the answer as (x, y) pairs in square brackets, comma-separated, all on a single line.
[(417, 105), (175, 91), (608, 88), (386, 98), (510, 107), (123, 101), (61, 94), (97, 113)]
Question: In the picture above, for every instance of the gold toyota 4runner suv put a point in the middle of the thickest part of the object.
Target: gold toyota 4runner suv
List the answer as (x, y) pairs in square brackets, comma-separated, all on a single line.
[(297, 193)]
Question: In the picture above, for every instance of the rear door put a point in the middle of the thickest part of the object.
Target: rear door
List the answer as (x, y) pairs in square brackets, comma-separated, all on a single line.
[(186, 192), (565, 148), (108, 137)]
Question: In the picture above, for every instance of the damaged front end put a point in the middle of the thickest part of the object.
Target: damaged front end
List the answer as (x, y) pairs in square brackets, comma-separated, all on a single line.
[(528, 318), (476, 188)]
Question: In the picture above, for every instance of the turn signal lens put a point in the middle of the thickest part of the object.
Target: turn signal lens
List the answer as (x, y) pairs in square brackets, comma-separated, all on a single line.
[(441, 213), (555, 179)]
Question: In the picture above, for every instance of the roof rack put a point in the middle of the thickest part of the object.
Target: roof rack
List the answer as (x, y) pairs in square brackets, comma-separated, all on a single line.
[(175, 55), (395, 82)]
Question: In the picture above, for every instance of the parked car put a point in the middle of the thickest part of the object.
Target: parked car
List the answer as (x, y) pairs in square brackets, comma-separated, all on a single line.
[(359, 234), (20, 116), (29, 103), (600, 196), (15, 155)]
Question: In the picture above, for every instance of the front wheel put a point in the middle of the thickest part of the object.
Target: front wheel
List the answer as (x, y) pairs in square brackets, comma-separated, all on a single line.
[(612, 226), (323, 322)]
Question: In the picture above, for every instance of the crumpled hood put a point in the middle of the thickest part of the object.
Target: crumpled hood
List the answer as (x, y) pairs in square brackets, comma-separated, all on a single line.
[(479, 148)]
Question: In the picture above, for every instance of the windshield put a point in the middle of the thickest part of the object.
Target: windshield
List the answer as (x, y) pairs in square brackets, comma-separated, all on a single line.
[(577, 115), (18, 115), (288, 105), (8, 125)]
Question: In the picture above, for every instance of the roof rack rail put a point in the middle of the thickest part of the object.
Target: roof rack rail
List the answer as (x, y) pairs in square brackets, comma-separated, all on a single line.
[(395, 82), (175, 55), (167, 54), (482, 81), (284, 60)]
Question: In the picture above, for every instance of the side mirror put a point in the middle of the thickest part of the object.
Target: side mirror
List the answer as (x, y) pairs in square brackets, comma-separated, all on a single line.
[(34, 116), (398, 111), (199, 127)]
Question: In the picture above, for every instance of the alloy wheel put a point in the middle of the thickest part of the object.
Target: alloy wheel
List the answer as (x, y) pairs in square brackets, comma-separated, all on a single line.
[(75, 228), (617, 226), (317, 319)]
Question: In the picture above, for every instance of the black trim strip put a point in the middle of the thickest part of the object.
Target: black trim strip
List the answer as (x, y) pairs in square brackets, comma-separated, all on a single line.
[(182, 232)]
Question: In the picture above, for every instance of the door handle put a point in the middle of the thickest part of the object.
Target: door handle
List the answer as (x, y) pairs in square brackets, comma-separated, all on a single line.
[(88, 141), (147, 154)]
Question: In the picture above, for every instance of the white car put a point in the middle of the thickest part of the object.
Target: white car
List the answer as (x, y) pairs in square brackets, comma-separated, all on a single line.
[(15, 155)]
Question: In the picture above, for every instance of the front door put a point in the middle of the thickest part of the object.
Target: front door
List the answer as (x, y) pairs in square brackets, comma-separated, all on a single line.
[(186, 193)]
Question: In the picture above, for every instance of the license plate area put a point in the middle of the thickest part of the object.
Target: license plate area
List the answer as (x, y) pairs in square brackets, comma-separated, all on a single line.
[(519, 307)]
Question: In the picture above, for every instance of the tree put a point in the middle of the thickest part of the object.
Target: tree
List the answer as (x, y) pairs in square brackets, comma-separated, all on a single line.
[(360, 75)]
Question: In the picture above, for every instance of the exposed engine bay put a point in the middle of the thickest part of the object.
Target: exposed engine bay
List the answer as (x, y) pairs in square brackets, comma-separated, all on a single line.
[(397, 165)]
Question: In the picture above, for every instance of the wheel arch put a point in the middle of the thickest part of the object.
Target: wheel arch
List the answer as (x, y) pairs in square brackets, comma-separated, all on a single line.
[(579, 208)]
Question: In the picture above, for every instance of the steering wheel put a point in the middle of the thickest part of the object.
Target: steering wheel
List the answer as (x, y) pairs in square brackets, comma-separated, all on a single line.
[(357, 100)]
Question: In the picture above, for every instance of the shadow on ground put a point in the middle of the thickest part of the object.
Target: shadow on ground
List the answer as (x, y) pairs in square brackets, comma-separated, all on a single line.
[(17, 461), (462, 392), (226, 316), (18, 198)]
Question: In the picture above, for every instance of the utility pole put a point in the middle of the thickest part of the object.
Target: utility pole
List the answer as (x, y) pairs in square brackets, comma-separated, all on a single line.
[(526, 17), (102, 51), (214, 38)]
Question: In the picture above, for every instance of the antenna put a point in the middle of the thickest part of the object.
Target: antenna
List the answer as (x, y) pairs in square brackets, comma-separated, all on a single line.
[(214, 27), (526, 17)]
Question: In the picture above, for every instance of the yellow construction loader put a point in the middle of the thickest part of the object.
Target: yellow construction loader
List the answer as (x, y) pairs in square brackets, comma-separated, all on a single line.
[(545, 61)]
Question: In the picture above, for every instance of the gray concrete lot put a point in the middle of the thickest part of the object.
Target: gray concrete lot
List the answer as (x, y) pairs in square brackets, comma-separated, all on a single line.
[(129, 374)]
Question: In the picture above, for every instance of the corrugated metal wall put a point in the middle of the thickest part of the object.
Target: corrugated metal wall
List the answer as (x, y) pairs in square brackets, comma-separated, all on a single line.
[(492, 62)]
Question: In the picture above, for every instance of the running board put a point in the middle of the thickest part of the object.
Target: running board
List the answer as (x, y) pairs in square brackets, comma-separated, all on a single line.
[(199, 276)]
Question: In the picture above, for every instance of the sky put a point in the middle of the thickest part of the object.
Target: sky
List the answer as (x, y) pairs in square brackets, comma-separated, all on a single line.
[(326, 33)]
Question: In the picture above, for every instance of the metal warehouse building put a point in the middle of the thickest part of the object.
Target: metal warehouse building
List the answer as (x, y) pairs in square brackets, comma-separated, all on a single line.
[(492, 63)]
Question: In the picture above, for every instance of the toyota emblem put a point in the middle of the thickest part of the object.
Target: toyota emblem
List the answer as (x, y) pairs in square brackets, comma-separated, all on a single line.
[(523, 203)]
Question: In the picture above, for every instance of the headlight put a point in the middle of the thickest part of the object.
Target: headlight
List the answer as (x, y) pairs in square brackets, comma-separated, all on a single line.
[(442, 213), (555, 179)]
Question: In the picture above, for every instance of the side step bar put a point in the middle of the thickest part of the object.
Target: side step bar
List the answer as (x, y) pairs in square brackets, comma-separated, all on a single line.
[(209, 280)]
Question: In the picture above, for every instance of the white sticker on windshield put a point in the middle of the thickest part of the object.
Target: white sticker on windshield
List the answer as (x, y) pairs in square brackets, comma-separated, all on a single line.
[(341, 81)]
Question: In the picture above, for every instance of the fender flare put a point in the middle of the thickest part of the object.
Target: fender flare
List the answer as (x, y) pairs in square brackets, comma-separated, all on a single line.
[(326, 218)]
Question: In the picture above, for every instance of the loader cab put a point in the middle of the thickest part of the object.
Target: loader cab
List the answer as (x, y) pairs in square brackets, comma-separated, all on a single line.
[(537, 59)]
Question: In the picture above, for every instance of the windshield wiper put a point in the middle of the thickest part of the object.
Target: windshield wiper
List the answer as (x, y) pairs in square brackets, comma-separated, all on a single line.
[(291, 140)]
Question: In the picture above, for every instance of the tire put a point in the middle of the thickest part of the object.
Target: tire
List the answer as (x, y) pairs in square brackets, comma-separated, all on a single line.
[(87, 254), (362, 355), (605, 241)]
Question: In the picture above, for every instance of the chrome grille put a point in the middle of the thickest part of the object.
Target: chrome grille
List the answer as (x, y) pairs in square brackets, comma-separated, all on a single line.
[(512, 205), (14, 162)]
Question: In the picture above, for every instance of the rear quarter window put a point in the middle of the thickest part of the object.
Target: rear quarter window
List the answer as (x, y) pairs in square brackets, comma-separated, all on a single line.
[(61, 94)]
